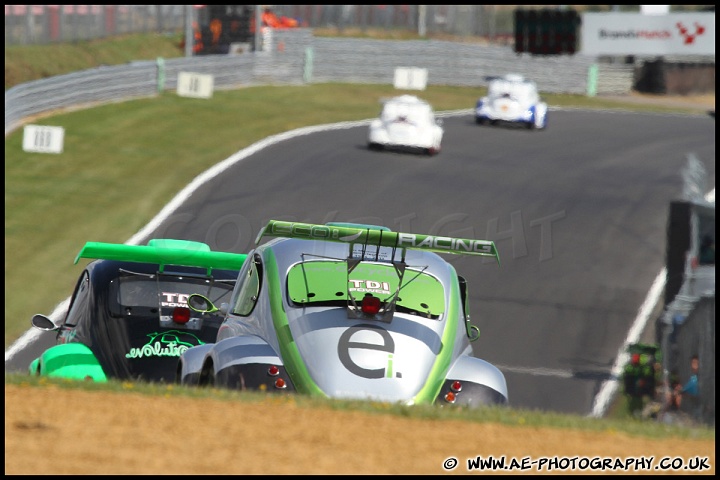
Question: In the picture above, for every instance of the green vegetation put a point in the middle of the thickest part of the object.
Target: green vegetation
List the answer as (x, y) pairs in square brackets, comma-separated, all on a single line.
[(505, 416), (24, 63), (123, 162)]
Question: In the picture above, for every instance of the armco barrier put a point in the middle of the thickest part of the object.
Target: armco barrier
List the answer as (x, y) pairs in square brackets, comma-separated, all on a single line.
[(298, 57)]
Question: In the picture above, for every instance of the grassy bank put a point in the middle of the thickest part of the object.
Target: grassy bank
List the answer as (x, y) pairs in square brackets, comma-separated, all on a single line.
[(24, 63)]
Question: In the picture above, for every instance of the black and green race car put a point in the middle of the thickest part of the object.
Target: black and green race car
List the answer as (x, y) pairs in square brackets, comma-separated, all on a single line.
[(128, 316)]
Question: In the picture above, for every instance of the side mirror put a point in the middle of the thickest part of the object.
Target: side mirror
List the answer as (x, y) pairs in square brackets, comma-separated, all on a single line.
[(42, 322), (201, 304)]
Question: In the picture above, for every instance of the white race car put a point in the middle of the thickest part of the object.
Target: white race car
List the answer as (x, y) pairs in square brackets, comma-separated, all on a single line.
[(512, 100), (406, 123)]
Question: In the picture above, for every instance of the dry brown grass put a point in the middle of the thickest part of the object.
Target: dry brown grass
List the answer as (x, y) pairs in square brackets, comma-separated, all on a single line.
[(70, 431)]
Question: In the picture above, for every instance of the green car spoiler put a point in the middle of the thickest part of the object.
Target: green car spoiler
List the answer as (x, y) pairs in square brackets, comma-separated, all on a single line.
[(165, 252), (378, 236)]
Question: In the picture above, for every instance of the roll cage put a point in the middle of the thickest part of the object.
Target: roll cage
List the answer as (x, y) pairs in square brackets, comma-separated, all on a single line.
[(371, 246)]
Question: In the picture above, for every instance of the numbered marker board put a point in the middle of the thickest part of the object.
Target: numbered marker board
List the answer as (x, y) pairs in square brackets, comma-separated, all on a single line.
[(410, 78), (43, 139), (195, 85)]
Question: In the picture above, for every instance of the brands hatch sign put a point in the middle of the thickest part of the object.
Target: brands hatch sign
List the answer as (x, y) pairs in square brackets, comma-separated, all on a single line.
[(638, 34)]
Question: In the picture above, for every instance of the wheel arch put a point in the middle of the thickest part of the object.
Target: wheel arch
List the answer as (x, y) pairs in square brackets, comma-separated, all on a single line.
[(69, 360)]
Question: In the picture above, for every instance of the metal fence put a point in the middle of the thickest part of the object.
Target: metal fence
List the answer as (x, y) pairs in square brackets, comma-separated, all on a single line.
[(493, 22), (689, 329), (687, 324), (44, 24), (298, 57)]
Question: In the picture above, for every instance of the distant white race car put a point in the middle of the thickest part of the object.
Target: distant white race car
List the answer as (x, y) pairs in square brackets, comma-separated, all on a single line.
[(512, 99), (406, 123)]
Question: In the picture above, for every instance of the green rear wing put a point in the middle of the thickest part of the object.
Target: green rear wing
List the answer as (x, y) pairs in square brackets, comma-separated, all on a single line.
[(165, 252), (375, 236)]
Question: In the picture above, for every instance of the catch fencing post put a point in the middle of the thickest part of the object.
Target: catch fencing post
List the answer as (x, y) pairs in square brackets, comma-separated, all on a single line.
[(307, 69), (592, 80), (160, 74)]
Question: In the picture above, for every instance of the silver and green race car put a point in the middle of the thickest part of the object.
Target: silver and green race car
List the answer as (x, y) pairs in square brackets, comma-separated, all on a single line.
[(348, 311)]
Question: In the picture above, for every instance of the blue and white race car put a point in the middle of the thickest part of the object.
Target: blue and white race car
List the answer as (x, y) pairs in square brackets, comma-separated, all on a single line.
[(512, 99), (348, 311)]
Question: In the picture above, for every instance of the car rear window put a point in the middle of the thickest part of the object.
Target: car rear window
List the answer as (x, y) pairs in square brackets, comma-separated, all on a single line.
[(414, 113), (148, 292), (515, 90), (327, 282)]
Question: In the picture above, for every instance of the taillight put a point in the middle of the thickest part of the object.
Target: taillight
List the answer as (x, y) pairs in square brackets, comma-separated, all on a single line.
[(181, 315), (370, 305), (280, 383), (273, 371)]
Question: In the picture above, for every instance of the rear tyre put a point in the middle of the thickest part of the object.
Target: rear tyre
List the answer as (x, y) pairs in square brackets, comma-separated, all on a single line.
[(207, 376), (542, 124), (538, 122)]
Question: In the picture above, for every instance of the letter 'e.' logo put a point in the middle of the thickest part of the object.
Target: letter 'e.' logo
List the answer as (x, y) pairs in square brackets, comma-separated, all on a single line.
[(387, 345)]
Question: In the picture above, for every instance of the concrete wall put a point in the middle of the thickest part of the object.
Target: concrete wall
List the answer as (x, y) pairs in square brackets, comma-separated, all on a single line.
[(681, 78)]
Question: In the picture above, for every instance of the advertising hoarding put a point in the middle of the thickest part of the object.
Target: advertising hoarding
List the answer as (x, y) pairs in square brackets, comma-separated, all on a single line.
[(638, 34)]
